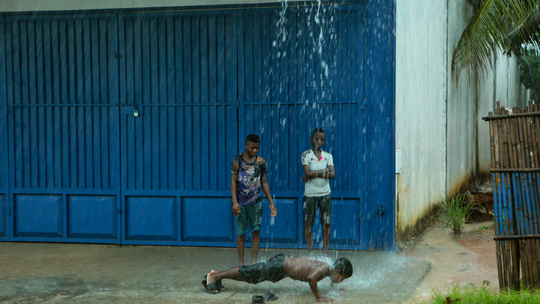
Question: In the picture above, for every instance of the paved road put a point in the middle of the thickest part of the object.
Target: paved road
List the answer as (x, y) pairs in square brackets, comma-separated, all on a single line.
[(82, 273)]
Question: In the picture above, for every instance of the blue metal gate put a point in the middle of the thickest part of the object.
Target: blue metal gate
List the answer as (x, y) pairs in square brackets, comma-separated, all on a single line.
[(62, 80), (303, 70), (122, 125), (179, 128), (4, 186)]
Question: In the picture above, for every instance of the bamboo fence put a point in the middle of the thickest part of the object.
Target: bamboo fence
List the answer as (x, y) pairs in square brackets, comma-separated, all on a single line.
[(515, 167)]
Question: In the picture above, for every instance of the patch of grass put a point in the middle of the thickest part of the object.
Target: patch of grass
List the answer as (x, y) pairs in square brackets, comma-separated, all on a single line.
[(458, 210), (484, 227), (479, 294)]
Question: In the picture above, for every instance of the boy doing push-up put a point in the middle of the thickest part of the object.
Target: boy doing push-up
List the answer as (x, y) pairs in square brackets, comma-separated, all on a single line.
[(280, 267)]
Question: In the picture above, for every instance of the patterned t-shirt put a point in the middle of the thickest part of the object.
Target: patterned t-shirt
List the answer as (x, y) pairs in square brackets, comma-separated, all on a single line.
[(248, 187)]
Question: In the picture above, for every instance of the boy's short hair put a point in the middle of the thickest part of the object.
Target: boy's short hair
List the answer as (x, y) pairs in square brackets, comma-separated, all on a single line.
[(317, 130), (254, 138), (344, 266)]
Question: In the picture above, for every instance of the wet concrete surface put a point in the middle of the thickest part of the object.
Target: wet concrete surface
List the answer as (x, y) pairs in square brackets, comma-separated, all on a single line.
[(466, 259), (78, 273), (82, 273)]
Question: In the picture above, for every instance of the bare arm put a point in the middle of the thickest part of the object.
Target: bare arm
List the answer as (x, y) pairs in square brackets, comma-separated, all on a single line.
[(235, 206), (266, 190), (315, 173), (316, 275), (332, 173)]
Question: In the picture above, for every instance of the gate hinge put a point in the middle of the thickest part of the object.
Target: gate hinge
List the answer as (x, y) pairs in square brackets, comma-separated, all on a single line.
[(365, 18), (120, 211), (363, 105), (237, 103)]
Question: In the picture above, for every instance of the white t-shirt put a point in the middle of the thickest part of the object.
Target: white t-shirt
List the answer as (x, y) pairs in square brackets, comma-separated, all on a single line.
[(317, 186)]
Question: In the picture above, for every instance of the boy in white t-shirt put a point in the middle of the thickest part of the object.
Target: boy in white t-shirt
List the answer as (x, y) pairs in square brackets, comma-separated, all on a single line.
[(318, 168)]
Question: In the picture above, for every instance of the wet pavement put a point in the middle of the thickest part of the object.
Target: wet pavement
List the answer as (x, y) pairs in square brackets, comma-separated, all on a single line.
[(82, 273), (466, 259), (77, 273)]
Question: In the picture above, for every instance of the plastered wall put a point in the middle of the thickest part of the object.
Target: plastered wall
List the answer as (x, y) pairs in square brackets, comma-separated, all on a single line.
[(439, 126), (58, 5), (420, 108)]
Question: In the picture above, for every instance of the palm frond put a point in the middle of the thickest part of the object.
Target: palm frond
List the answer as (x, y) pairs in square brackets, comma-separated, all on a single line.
[(526, 33), (488, 31)]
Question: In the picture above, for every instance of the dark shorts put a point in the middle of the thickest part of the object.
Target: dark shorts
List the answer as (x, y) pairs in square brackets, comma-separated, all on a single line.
[(249, 218), (271, 270), (323, 202)]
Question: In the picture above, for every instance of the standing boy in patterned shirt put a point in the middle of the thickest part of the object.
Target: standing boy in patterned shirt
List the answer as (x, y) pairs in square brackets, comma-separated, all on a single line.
[(318, 168), (248, 177)]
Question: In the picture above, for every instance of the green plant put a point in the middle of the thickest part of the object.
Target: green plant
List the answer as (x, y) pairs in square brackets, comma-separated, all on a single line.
[(457, 210), (480, 294), (484, 227), (529, 67)]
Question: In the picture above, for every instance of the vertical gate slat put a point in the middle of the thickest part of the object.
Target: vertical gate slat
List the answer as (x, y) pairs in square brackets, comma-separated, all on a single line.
[(133, 174), (161, 72), (153, 138), (78, 153), (146, 99), (212, 100), (135, 36), (188, 167), (97, 75), (171, 93), (204, 108), (179, 85), (47, 97), (196, 100), (88, 29)]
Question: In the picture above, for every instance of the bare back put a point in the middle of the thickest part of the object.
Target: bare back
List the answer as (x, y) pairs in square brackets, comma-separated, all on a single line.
[(303, 269)]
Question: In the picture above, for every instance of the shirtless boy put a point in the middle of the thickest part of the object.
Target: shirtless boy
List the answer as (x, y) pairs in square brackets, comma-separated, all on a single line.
[(280, 267)]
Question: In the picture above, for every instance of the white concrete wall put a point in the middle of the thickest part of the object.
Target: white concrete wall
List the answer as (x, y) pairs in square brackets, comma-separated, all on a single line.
[(420, 107), (439, 126), (486, 100), (58, 5), (461, 106)]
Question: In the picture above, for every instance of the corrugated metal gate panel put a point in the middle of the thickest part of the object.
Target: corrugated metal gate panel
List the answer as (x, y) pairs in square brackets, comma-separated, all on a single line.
[(4, 186), (63, 87), (199, 82), (300, 75), (180, 77)]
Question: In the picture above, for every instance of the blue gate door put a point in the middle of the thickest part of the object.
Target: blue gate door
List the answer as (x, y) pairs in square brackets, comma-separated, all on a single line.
[(4, 186), (64, 131), (178, 127), (302, 68)]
